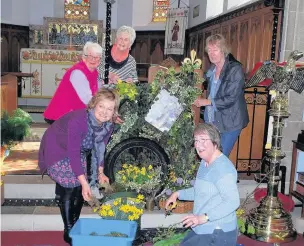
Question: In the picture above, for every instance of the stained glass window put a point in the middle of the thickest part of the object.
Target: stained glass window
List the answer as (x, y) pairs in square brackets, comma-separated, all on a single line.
[(77, 9), (160, 10)]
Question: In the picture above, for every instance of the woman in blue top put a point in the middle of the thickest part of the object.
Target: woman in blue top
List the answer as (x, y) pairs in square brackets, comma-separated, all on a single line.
[(215, 194), (225, 106)]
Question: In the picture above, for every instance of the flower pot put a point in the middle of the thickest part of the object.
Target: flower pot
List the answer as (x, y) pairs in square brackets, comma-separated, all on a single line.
[(123, 194), (150, 204)]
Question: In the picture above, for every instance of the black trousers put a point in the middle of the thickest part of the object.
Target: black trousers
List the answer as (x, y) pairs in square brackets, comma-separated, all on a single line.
[(70, 202)]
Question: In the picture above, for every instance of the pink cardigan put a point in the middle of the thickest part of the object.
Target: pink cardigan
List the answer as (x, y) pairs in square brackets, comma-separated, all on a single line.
[(65, 98)]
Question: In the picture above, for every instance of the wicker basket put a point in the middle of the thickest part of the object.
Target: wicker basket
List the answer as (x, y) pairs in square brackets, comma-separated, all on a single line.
[(181, 208)]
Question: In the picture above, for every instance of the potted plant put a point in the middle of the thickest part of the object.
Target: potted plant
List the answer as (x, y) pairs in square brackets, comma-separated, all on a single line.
[(13, 130)]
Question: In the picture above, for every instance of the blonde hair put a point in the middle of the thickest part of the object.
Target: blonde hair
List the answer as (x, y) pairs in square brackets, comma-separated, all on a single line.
[(105, 94), (220, 41)]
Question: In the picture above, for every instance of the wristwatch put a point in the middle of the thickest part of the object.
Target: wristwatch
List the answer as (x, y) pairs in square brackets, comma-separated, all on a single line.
[(206, 216)]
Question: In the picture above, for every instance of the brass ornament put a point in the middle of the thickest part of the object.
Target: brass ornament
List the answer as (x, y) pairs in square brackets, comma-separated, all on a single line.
[(192, 61), (269, 222)]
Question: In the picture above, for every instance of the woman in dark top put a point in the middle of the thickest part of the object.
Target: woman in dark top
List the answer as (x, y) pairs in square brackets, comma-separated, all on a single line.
[(64, 148), (225, 105)]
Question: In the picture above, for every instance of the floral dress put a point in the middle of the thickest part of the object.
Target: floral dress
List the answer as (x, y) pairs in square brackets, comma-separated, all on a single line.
[(61, 172)]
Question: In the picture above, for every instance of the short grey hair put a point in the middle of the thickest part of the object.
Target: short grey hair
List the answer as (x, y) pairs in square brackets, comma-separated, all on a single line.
[(129, 30), (220, 41), (211, 131), (95, 47)]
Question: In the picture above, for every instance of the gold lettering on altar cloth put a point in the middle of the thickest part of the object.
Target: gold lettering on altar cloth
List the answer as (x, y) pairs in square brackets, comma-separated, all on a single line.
[(49, 57)]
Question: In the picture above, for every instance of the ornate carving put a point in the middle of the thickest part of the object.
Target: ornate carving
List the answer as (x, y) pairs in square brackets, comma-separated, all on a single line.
[(259, 99), (229, 16), (244, 29)]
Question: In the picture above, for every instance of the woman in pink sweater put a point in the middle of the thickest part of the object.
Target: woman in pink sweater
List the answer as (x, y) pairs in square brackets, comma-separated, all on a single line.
[(77, 86)]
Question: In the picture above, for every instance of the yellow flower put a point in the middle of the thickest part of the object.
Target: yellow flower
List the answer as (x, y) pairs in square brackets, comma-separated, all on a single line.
[(140, 197), (240, 212), (125, 165), (111, 213), (150, 167), (115, 203)]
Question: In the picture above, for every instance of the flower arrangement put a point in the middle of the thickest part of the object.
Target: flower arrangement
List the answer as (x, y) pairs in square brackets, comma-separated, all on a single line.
[(123, 208), (178, 141), (142, 180)]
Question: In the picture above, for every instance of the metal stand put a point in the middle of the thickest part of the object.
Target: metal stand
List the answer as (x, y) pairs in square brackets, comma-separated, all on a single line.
[(108, 39), (271, 222)]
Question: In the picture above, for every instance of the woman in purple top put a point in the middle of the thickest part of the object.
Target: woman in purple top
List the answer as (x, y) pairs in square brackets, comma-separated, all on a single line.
[(64, 148)]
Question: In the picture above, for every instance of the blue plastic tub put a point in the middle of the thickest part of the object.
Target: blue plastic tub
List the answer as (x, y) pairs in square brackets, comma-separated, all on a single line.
[(81, 231)]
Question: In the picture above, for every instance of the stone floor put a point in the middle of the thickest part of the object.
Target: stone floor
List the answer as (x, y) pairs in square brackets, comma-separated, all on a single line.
[(23, 159)]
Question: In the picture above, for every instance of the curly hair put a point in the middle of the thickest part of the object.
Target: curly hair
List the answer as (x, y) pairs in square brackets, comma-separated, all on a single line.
[(108, 94)]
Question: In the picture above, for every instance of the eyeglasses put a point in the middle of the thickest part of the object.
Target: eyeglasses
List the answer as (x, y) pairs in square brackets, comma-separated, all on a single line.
[(95, 58), (201, 141)]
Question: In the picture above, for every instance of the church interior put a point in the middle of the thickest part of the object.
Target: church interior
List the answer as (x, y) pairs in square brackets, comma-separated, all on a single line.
[(41, 40)]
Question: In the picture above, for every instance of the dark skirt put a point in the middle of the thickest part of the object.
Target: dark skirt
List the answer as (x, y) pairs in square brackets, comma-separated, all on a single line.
[(217, 238)]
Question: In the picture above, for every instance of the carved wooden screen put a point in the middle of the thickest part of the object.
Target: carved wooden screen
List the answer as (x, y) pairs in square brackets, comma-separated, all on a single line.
[(160, 10), (77, 9), (249, 32)]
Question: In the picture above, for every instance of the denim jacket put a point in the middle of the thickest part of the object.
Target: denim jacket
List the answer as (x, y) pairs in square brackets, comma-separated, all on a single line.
[(231, 108)]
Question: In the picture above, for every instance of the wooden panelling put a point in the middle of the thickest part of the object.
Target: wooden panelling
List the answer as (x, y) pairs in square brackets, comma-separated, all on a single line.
[(149, 47), (8, 93), (13, 39), (248, 31)]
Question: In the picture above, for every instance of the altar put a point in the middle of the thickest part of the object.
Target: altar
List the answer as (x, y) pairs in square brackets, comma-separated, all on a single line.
[(47, 66)]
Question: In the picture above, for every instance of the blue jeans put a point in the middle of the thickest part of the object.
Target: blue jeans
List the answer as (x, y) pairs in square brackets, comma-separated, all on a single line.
[(228, 140), (217, 238)]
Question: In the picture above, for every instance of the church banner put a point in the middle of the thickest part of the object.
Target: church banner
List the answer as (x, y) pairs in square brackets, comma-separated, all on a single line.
[(176, 25)]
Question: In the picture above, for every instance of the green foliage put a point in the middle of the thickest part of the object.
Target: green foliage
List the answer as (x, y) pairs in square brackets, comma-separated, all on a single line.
[(178, 142), (14, 128), (168, 236), (241, 225), (250, 229), (126, 90)]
